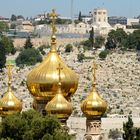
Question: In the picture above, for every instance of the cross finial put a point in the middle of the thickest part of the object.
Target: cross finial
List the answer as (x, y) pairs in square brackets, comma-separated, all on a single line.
[(9, 67), (94, 72), (59, 72), (53, 15)]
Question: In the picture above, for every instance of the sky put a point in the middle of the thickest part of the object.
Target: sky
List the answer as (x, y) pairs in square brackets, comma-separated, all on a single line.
[(30, 8)]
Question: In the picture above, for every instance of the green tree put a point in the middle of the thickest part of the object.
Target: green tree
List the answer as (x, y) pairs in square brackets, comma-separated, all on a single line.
[(138, 134), (99, 41), (3, 27), (29, 56), (116, 39), (80, 16), (110, 44), (131, 42), (81, 57), (68, 48), (103, 54), (41, 49), (28, 43), (8, 44), (91, 36), (13, 26), (13, 17), (138, 46), (129, 130), (20, 17), (31, 125), (136, 35), (87, 45), (114, 134), (2, 56)]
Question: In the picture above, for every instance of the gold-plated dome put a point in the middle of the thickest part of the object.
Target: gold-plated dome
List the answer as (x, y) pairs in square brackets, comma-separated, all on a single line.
[(9, 103), (59, 106), (42, 81), (93, 105)]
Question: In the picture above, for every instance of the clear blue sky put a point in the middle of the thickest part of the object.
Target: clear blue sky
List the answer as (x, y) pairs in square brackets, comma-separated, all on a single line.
[(128, 8)]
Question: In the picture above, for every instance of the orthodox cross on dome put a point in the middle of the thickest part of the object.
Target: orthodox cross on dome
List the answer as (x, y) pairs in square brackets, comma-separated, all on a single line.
[(59, 72), (53, 16), (94, 73), (9, 68)]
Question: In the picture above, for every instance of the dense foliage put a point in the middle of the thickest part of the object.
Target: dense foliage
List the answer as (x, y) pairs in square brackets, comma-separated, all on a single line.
[(28, 43), (6, 47), (103, 54), (130, 132), (29, 56), (30, 125), (42, 47), (80, 16), (96, 42), (8, 44), (2, 56), (68, 48), (120, 40), (80, 57), (3, 27), (99, 42), (114, 134), (58, 21)]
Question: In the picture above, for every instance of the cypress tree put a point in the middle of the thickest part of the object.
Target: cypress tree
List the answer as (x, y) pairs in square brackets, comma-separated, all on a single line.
[(28, 43), (129, 130), (2, 56)]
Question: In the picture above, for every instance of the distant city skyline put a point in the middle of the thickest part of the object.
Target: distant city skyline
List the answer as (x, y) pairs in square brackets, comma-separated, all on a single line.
[(30, 8)]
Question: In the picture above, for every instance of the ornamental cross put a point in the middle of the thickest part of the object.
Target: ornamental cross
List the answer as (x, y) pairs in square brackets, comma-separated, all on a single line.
[(9, 67), (53, 16), (59, 72), (94, 71)]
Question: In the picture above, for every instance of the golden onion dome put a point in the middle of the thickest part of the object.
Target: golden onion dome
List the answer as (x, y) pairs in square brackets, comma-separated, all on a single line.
[(9, 104), (42, 80), (59, 106), (93, 105)]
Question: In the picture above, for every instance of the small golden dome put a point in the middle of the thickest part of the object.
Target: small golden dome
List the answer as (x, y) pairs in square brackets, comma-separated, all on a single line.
[(9, 104), (42, 81), (59, 106), (93, 105)]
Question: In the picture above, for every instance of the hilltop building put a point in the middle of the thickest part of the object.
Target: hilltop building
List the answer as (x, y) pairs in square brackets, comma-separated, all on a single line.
[(117, 20), (100, 21), (4, 19)]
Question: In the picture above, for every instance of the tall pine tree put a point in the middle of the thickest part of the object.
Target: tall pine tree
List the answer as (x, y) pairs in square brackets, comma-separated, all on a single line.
[(129, 130), (80, 16), (91, 36), (2, 56), (28, 43)]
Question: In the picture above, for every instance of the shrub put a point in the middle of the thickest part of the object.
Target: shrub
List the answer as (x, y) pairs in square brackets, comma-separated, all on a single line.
[(80, 57), (103, 54), (68, 48), (87, 45)]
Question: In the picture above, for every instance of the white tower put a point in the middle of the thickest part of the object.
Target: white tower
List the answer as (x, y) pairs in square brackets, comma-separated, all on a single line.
[(100, 16), (100, 22)]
